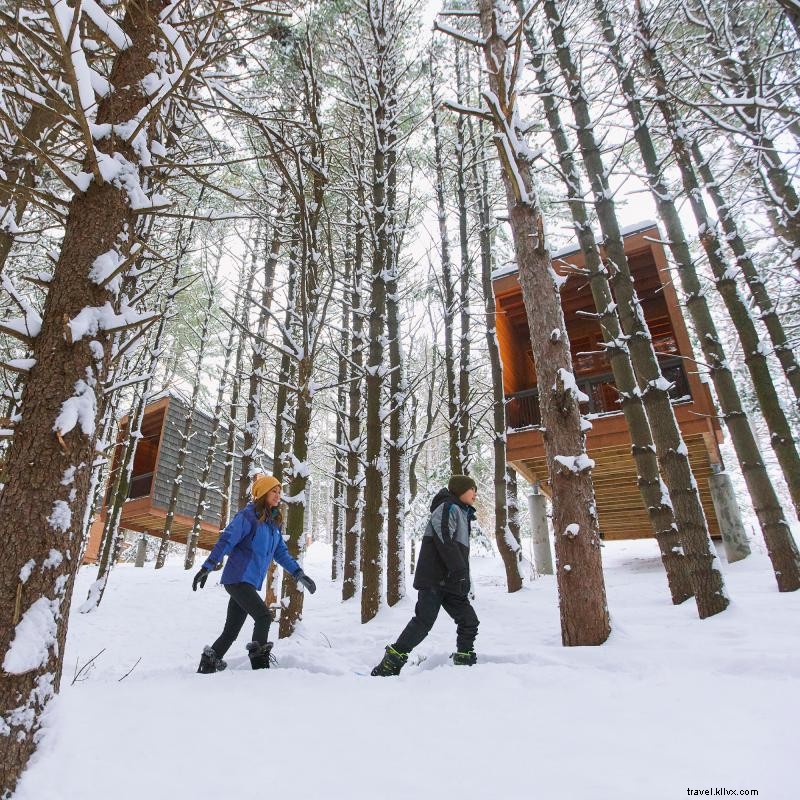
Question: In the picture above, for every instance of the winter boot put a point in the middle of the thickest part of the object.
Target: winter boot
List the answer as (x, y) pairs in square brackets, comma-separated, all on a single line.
[(391, 663), (210, 662), (260, 655), (466, 659)]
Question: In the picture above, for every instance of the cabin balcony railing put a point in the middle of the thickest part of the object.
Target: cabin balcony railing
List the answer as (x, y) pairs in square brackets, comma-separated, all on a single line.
[(522, 408)]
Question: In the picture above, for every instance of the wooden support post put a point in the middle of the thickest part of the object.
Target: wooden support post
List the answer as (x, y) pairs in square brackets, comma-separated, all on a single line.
[(542, 556), (730, 522)]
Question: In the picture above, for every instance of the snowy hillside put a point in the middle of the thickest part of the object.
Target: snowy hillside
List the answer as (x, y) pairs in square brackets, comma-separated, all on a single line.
[(670, 703)]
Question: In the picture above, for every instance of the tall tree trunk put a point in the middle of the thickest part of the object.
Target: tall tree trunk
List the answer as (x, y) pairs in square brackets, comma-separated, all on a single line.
[(211, 451), (244, 296), (51, 496), (464, 422), (582, 597), (446, 286), (311, 318), (341, 449), (673, 458), (398, 440), (112, 536), (352, 518), (769, 315), (505, 542), (283, 415), (651, 487), (19, 172), (183, 452), (372, 522), (253, 405), (780, 545)]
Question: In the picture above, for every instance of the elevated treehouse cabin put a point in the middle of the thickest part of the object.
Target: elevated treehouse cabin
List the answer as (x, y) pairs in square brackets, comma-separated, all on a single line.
[(622, 514), (154, 471)]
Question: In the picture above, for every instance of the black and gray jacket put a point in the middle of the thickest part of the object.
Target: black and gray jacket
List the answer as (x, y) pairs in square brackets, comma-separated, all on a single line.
[(443, 561)]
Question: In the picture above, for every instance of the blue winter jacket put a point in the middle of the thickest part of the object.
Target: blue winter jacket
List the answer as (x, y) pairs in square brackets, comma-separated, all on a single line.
[(252, 546)]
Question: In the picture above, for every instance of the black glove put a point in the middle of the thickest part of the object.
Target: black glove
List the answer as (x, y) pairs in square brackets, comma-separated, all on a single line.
[(200, 579), (301, 577)]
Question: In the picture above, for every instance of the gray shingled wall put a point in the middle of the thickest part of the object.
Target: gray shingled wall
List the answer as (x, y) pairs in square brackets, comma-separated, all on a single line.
[(195, 461)]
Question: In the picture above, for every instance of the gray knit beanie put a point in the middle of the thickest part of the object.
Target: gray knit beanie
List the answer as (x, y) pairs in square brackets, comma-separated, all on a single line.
[(461, 483)]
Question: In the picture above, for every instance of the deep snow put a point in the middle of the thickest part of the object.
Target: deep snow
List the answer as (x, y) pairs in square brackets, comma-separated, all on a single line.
[(668, 704)]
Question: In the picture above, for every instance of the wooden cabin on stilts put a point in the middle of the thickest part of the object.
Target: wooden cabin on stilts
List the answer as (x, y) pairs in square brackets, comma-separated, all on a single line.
[(619, 502), (154, 471)]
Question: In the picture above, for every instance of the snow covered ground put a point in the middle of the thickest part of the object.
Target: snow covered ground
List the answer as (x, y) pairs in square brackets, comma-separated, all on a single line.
[(670, 703)]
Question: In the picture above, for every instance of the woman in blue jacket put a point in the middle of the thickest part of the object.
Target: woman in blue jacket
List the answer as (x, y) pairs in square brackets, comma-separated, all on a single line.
[(251, 541)]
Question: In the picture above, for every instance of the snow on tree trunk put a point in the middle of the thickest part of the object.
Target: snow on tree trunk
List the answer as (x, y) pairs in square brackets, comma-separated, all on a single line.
[(584, 613), (780, 544), (355, 473), (49, 465), (510, 554), (446, 286), (233, 412), (252, 408), (397, 445), (186, 431), (673, 456), (654, 495), (20, 172), (755, 282)]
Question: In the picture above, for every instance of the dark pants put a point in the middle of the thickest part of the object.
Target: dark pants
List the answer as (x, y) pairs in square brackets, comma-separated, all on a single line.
[(427, 609), (245, 600)]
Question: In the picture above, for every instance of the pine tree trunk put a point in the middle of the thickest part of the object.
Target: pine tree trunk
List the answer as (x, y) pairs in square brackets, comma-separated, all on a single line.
[(736, 65), (183, 452), (19, 173), (49, 473), (673, 458), (292, 595), (340, 448), (649, 480), (584, 613), (211, 451), (250, 435), (769, 315), (464, 423), (509, 553), (233, 409), (283, 419), (352, 517), (780, 545), (446, 288), (398, 440)]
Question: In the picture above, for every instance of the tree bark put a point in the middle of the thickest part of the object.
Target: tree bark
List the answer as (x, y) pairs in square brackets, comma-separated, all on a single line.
[(758, 289), (673, 458), (446, 287), (780, 544), (20, 174), (49, 464), (654, 498), (352, 518), (186, 431), (584, 612), (505, 543)]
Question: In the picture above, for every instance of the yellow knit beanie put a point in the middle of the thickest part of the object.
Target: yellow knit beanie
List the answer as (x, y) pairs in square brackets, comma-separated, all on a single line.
[(262, 485)]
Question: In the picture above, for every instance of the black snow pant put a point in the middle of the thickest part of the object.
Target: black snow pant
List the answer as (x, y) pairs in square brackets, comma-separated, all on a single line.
[(244, 600), (427, 609)]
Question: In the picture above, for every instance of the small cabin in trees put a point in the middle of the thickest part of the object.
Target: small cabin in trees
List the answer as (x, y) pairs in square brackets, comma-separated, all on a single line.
[(155, 468), (622, 514)]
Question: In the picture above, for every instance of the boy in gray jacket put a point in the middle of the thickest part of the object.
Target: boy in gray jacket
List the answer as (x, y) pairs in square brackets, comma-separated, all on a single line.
[(442, 578)]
